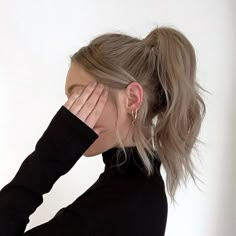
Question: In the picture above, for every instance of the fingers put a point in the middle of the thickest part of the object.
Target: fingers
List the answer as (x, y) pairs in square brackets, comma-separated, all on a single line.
[(82, 99), (87, 104), (91, 103), (75, 95), (91, 120), (68, 104)]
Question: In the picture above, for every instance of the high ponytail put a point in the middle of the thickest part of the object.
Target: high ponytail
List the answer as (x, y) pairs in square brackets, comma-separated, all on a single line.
[(181, 112)]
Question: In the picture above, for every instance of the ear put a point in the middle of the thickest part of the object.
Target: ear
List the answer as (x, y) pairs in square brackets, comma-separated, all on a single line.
[(134, 92)]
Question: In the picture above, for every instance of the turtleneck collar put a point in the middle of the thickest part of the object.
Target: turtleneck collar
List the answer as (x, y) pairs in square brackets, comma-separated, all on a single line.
[(133, 164)]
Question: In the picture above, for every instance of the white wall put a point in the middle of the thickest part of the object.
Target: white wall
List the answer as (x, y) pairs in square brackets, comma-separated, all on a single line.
[(36, 39)]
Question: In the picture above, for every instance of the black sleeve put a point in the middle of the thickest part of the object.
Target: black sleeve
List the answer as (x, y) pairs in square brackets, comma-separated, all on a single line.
[(61, 145)]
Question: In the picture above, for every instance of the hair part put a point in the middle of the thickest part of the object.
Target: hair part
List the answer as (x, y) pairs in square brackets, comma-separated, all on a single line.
[(172, 110)]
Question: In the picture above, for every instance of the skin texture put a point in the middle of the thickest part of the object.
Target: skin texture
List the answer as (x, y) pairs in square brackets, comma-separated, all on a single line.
[(95, 109)]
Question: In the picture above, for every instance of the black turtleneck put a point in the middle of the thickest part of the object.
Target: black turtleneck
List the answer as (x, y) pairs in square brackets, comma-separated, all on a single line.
[(127, 165), (122, 201)]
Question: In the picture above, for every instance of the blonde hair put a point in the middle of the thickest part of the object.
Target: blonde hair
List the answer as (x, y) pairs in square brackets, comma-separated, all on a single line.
[(170, 117)]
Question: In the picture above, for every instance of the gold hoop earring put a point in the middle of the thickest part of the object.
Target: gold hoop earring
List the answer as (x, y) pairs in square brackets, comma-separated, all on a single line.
[(134, 116)]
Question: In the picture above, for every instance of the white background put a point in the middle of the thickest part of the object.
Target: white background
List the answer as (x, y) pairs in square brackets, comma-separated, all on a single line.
[(36, 39)]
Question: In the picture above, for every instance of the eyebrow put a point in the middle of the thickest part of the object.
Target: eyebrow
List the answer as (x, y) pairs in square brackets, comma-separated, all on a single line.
[(73, 86)]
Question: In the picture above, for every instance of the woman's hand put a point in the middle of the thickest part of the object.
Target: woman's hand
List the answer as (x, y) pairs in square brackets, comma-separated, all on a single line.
[(87, 104)]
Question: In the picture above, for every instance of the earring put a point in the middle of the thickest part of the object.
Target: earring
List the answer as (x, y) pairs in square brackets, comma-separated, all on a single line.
[(134, 116)]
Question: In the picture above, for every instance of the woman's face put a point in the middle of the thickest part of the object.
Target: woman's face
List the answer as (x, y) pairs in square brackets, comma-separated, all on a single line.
[(128, 100)]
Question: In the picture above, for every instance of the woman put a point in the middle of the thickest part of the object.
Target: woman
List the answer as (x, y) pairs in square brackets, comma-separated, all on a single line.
[(143, 111)]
